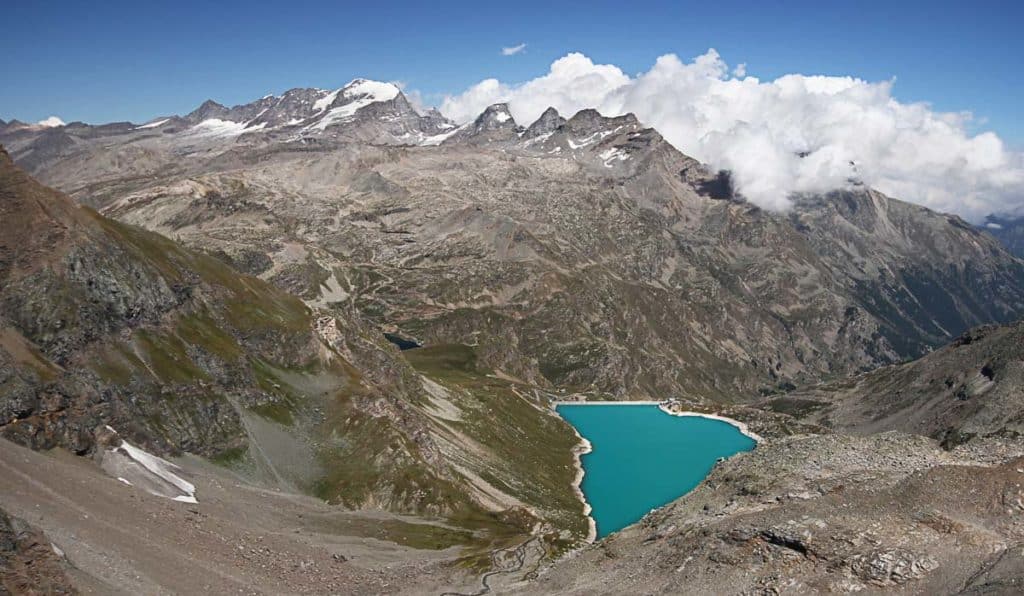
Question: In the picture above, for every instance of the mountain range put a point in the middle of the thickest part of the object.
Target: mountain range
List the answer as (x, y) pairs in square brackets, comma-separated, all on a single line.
[(335, 294)]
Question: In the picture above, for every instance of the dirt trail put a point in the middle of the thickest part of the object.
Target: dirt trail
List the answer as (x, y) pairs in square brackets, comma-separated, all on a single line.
[(530, 551)]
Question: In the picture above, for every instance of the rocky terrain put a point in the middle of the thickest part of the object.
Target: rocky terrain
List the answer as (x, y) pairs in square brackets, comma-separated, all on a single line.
[(29, 563), (909, 478), (583, 254), (109, 328), (338, 323), (823, 513), (971, 389)]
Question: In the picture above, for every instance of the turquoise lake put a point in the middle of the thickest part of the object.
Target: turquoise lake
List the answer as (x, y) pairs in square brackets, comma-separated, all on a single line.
[(643, 458)]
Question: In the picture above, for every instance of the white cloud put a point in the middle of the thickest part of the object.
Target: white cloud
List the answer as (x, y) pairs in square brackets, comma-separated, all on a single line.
[(51, 122), (758, 128), (740, 71), (512, 51)]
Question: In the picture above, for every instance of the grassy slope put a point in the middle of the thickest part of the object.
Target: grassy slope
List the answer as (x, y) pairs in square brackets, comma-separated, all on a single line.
[(528, 449)]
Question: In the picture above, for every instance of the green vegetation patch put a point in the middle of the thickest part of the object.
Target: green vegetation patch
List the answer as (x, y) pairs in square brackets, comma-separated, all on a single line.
[(167, 358), (532, 448), (201, 330), (447, 361)]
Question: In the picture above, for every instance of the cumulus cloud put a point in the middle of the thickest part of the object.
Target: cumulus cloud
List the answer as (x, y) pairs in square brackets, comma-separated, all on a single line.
[(796, 133), (51, 122), (512, 51)]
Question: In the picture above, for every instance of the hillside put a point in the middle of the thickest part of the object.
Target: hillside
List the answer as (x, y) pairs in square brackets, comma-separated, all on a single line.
[(583, 254), (105, 325)]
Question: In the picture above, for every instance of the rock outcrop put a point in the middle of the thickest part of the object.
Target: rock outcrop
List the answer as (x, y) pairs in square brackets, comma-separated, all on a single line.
[(29, 562)]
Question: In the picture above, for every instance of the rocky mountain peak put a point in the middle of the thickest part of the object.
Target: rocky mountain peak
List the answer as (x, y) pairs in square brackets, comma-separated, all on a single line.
[(291, 108), (207, 110), (548, 122), (494, 117), (494, 125), (589, 121), (434, 122)]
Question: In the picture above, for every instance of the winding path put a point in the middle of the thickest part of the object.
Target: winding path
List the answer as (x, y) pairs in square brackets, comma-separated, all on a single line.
[(485, 581)]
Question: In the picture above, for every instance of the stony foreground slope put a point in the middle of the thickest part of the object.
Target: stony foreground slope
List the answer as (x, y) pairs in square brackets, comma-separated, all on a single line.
[(29, 563)]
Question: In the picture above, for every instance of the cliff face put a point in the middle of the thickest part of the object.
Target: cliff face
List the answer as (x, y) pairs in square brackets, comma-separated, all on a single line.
[(1009, 231)]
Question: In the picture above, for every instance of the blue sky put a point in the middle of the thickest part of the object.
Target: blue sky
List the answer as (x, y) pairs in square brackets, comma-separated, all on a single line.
[(106, 61)]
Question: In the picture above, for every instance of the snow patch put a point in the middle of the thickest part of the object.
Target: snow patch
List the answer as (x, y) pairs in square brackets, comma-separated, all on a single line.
[(339, 114), (538, 139), (612, 155), (163, 469), (374, 90), (215, 127), (361, 93), (152, 124), (324, 102), (597, 136), (438, 139)]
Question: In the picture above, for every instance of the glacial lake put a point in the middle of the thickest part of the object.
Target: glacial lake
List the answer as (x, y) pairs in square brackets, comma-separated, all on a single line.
[(643, 458)]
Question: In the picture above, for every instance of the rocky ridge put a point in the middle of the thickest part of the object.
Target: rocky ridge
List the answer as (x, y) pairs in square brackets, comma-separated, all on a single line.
[(592, 257), (584, 256)]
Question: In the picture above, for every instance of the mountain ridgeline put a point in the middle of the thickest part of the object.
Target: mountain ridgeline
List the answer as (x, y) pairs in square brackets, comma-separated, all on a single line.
[(585, 254), (236, 283)]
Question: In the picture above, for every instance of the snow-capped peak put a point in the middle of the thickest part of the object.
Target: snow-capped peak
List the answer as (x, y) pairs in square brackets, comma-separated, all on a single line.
[(51, 122), (345, 102), (371, 90)]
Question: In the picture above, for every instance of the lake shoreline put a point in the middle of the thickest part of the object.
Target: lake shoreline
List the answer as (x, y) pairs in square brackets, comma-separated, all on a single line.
[(584, 446), (664, 407), (740, 426)]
